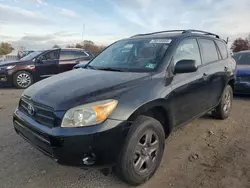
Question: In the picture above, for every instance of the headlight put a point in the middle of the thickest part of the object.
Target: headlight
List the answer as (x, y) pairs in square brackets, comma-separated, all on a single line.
[(8, 67), (88, 114)]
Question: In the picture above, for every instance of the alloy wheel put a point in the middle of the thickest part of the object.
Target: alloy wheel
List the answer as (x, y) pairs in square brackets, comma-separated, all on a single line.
[(23, 80), (146, 152), (227, 102)]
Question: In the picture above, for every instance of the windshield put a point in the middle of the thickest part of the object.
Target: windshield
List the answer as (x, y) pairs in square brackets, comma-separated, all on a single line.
[(31, 55), (139, 55)]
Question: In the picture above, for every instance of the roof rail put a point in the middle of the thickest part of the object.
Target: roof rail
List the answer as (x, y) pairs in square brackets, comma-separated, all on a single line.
[(158, 32), (202, 32), (182, 31)]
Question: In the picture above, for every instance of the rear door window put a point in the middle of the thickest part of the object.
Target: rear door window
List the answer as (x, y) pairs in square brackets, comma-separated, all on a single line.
[(223, 49), (66, 54), (209, 51), (80, 54)]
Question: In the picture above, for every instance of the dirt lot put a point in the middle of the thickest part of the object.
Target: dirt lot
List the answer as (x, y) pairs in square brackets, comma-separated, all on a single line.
[(206, 153)]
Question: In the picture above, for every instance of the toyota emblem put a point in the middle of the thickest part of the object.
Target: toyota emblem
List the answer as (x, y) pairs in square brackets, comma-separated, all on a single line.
[(31, 110)]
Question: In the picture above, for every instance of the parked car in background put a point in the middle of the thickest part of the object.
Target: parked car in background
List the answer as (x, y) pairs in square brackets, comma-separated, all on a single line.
[(83, 63), (40, 64), (242, 84), (2, 59), (119, 109)]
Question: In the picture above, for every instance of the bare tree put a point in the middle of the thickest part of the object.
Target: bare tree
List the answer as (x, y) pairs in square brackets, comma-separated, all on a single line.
[(56, 46), (240, 45), (5, 48)]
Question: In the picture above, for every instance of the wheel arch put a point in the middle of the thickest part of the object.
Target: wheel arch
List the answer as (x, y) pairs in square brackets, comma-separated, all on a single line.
[(22, 70), (231, 82), (157, 109)]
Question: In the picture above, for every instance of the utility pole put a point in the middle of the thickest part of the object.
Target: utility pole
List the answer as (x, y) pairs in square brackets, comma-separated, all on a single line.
[(83, 31)]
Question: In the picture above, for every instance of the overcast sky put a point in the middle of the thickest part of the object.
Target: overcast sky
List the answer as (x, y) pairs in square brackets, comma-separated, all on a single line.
[(43, 23)]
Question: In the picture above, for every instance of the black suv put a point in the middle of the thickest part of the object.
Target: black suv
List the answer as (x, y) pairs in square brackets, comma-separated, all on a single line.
[(40, 64), (118, 110)]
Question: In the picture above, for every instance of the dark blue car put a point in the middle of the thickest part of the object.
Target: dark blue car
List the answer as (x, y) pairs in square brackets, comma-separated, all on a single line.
[(242, 84)]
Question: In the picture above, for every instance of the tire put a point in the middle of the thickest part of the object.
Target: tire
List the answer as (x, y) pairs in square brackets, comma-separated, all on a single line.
[(223, 110), (25, 83), (131, 166)]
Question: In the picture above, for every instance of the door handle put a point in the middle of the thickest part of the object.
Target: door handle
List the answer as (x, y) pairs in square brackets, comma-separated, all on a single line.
[(205, 76), (226, 68)]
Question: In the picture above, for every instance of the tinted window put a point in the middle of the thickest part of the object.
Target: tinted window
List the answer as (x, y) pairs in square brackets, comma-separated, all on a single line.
[(223, 49), (89, 53), (236, 56), (209, 51), (52, 55), (66, 55), (242, 59), (79, 54), (31, 55), (188, 50)]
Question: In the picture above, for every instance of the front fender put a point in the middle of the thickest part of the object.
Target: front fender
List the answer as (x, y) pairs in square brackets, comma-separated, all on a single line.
[(140, 99)]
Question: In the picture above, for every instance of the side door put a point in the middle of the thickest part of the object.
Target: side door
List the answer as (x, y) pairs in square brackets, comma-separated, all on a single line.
[(67, 60), (218, 68), (47, 64), (189, 90)]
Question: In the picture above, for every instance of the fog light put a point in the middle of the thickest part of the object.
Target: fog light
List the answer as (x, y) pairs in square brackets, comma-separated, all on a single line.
[(89, 159), (3, 79)]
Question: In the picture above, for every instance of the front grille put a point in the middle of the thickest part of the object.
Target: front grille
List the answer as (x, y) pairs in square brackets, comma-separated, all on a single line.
[(243, 79), (42, 114), (40, 140)]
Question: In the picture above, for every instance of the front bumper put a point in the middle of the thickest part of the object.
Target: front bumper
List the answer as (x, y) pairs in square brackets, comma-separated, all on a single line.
[(5, 78), (69, 146)]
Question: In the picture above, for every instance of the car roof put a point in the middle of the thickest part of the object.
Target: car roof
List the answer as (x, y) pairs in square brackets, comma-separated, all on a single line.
[(242, 52), (75, 49), (173, 34)]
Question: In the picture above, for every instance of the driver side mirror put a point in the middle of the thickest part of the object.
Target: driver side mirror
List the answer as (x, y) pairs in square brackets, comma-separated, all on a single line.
[(185, 66), (39, 60)]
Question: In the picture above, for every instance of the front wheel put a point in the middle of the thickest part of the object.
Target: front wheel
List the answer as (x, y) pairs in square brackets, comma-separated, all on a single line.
[(142, 152), (22, 79), (223, 110)]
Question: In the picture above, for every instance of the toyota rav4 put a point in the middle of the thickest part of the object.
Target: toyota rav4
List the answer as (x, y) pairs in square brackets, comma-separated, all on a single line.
[(120, 108)]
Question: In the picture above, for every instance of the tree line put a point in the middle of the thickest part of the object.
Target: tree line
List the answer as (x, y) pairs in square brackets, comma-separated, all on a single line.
[(239, 44), (5, 48), (87, 45)]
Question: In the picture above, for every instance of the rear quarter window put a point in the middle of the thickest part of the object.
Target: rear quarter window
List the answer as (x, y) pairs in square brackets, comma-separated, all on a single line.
[(80, 54), (223, 49), (209, 51), (67, 54)]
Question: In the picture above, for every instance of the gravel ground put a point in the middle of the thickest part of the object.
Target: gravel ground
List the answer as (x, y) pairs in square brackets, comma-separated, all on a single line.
[(206, 153)]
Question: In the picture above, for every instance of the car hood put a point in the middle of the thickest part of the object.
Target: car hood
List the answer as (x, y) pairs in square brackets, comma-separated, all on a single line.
[(8, 63), (81, 86), (243, 70)]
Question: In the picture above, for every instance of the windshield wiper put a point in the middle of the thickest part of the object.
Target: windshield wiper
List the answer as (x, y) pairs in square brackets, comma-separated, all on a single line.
[(111, 69), (90, 67)]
